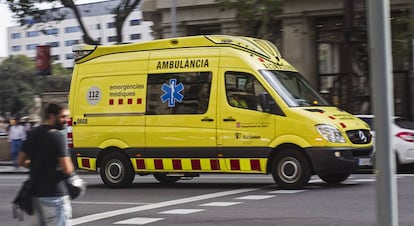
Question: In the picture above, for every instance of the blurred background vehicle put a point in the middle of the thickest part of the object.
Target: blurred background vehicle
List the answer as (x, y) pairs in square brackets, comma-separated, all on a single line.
[(402, 139)]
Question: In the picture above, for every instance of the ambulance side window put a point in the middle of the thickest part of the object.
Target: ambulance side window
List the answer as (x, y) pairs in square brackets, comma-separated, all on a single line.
[(243, 91), (178, 93)]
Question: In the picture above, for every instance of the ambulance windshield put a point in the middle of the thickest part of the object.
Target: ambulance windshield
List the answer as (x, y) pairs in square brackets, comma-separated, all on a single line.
[(293, 88)]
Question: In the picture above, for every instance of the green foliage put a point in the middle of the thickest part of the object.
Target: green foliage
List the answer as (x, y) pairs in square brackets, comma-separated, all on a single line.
[(19, 83), (256, 18)]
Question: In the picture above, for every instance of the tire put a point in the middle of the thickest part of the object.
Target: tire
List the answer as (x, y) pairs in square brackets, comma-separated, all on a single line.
[(291, 169), (334, 178), (116, 171), (164, 179)]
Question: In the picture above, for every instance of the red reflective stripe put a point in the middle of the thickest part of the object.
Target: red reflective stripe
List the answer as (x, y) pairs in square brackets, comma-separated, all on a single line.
[(85, 163), (215, 164), (130, 101), (139, 101), (195, 164), (111, 101), (255, 164), (158, 164), (177, 164), (140, 163), (235, 164), (120, 101)]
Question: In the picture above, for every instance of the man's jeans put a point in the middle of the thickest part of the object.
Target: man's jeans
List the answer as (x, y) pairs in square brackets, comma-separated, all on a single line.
[(56, 211), (16, 147)]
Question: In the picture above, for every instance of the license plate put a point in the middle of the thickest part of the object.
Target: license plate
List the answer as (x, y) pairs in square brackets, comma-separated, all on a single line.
[(364, 162)]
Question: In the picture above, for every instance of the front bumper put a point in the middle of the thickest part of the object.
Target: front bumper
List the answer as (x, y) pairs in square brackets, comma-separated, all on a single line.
[(327, 161)]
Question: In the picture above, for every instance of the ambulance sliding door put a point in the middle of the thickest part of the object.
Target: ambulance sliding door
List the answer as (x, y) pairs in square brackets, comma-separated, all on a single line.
[(181, 120)]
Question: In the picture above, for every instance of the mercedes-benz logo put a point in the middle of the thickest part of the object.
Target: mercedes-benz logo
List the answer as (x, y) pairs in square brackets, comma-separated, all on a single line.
[(362, 136)]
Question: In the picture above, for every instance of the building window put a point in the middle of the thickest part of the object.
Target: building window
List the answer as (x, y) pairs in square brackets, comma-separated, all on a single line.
[(53, 44), (135, 36), (69, 56), (110, 25), (54, 57), (71, 42), (98, 26), (191, 88), (16, 48), (15, 36), (52, 31), (72, 29), (134, 22), (32, 33), (31, 46), (99, 40), (112, 39)]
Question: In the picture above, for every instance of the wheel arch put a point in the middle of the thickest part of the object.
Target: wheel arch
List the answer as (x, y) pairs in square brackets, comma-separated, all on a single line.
[(285, 146), (106, 151)]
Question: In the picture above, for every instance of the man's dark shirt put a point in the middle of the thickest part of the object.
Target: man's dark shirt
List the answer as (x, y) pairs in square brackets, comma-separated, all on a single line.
[(44, 146)]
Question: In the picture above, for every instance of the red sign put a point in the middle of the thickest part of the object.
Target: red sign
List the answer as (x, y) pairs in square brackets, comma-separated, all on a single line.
[(43, 63)]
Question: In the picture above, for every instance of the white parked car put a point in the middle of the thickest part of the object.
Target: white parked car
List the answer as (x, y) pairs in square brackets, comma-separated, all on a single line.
[(402, 140)]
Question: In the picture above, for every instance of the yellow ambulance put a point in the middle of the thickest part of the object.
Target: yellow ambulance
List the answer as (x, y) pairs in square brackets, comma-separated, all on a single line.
[(179, 107)]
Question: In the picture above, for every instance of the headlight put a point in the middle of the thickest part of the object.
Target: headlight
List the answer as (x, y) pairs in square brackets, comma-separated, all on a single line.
[(330, 133)]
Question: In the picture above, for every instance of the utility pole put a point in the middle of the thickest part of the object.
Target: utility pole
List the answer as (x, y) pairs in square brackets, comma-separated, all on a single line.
[(174, 18), (382, 81)]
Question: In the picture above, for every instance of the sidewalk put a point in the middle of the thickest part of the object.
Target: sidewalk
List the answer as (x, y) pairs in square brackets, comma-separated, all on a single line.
[(7, 167)]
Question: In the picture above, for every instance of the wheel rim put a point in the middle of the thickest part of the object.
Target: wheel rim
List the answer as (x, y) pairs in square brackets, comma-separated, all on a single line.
[(289, 170), (114, 171)]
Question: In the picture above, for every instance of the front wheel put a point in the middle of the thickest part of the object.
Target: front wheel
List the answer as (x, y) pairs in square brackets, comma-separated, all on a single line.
[(164, 179), (116, 171), (335, 178), (291, 169)]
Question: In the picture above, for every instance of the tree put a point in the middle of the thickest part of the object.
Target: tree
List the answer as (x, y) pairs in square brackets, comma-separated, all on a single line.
[(256, 18), (19, 83), (24, 9)]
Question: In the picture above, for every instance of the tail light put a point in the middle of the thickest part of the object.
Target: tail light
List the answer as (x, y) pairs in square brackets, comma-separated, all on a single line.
[(69, 123), (407, 136)]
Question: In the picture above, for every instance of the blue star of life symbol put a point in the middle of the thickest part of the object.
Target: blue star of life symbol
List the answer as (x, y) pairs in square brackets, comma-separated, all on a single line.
[(172, 92)]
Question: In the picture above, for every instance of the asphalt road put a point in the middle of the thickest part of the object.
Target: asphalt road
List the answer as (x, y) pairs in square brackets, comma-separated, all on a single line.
[(241, 200)]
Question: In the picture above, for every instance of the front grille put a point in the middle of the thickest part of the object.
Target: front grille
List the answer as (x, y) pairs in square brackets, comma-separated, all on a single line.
[(361, 136)]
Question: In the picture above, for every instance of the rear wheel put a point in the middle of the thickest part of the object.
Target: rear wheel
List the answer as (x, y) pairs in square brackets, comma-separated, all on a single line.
[(291, 169), (335, 178), (164, 179), (116, 171)]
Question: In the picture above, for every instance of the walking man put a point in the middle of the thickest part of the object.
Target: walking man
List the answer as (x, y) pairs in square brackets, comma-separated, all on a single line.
[(16, 136), (46, 154)]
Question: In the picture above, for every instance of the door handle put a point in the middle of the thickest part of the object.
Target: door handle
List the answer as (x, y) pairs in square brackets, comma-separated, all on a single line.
[(230, 119), (207, 119)]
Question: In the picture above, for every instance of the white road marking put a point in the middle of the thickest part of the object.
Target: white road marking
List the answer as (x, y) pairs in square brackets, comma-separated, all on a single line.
[(285, 191), (365, 180), (316, 181), (108, 214), (220, 204), (139, 221), (112, 203), (11, 185), (182, 211), (256, 197)]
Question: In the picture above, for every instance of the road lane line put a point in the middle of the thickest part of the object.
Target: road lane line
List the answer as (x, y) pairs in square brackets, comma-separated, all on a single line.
[(108, 214), (256, 197), (182, 211), (113, 203), (139, 221)]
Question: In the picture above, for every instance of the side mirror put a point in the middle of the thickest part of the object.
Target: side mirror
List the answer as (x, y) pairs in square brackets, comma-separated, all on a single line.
[(269, 105), (266, 102)]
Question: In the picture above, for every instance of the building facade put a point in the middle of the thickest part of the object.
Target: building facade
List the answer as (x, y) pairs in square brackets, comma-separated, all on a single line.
[(325, 40), (63, 35)]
